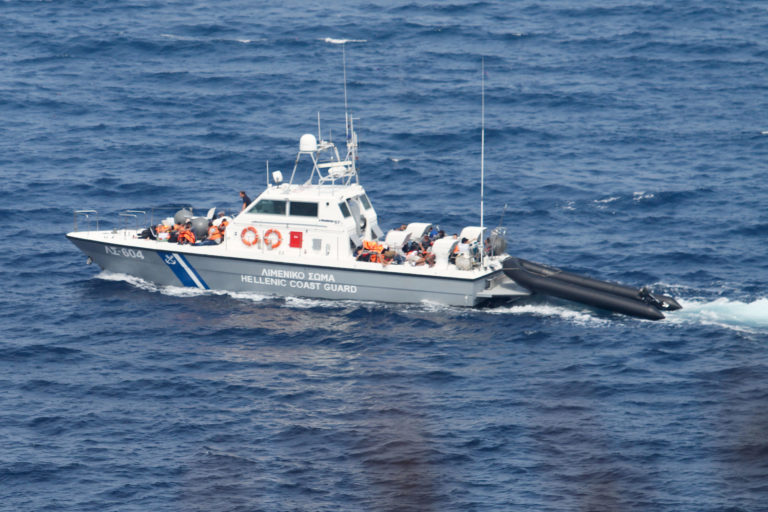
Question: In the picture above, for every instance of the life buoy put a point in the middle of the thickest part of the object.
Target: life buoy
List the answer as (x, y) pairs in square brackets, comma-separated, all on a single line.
[(249, 240), (268, 239)]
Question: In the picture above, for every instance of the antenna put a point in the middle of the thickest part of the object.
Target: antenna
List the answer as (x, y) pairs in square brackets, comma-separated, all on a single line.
[(501, 220), (351, 137), (349, 124), (482, 154), (346, 109)]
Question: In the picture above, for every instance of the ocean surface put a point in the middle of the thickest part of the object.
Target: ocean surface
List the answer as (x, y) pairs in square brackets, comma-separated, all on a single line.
[(627, 139)]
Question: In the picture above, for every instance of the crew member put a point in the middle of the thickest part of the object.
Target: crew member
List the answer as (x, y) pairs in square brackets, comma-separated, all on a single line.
[(246, 200)]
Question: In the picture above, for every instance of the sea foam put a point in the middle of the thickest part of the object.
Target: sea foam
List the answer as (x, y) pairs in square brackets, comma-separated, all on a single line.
[(733, 314)]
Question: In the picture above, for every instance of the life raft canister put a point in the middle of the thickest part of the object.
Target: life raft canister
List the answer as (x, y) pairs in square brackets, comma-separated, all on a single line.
[(268, 239), (248, 239)]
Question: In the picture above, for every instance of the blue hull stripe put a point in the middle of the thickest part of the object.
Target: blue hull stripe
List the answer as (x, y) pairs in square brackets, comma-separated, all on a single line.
[(183, 270), (196, 277)]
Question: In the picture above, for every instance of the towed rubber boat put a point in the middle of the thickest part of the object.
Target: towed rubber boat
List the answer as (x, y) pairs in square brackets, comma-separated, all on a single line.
[(546, 280)]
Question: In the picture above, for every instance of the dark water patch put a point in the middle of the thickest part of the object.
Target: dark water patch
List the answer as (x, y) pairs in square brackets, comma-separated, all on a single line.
[(749, 229), (42, 354), (204, 29), (15, 473), (174, 388)]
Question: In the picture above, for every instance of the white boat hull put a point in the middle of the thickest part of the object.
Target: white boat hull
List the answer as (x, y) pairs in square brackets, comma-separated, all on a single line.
[(193, 266)]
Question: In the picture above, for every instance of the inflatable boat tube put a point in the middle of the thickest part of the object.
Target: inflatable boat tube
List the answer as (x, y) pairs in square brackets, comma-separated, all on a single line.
[(613, 297)]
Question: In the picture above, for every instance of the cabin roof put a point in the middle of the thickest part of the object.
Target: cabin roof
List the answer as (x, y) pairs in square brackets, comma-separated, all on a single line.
[(312, 192)]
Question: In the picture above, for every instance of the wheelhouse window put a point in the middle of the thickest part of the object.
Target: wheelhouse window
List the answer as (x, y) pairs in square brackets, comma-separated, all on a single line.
[(303, 209), (345, 209), (268, 206), (366, 202)]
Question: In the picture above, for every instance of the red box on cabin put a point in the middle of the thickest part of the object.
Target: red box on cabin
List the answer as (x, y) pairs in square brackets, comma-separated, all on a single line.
[(295, 239)]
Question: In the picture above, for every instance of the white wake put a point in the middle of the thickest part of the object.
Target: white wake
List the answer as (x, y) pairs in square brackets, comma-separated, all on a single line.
[(723, 312)]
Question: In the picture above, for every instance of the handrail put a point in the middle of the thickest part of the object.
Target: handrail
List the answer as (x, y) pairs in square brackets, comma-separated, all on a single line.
[(91, 215), (86, 213), (134, 214)]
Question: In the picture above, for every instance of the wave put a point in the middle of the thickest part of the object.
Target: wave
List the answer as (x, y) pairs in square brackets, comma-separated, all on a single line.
[(750, 317), (175, 291), (564, 312), (331, 40), (242, 40), (183, 292)]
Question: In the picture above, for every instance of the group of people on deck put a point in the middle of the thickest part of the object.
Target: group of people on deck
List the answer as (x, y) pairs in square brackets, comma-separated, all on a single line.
[(183, 234), (414, 252)]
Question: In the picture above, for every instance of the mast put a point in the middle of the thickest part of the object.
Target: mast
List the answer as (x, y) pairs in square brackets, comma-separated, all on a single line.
[(348, 120), (482, 158), (344, 63)]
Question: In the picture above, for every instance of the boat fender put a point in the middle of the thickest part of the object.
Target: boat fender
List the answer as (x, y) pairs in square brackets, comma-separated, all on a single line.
[(247, 239), (268, 239)]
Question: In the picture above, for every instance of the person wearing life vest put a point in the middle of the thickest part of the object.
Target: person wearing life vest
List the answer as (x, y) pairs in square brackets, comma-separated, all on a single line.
[(388, 257), (213, 237), (221, 222), (214, 234), (163, 232), (186, 236), (373, 246)]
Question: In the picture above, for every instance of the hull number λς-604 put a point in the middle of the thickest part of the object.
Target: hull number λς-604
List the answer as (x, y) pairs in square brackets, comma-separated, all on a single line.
[(124, 251)]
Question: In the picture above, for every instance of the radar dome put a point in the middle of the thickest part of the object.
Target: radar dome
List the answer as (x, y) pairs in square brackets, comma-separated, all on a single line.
[(182, 215), (308, 142)]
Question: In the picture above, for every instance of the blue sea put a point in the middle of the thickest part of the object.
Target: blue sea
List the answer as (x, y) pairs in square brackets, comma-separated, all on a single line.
[(625, 140)]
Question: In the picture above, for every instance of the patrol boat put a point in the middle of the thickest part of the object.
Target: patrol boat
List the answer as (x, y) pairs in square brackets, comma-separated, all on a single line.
[(300, 238)]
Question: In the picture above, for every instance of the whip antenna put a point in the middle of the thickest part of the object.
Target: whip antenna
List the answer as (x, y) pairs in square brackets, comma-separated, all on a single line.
[(501, 220), (346, 109), (482, 154)]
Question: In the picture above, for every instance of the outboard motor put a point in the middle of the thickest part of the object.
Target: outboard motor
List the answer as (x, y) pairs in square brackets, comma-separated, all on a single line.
[(498, 240)]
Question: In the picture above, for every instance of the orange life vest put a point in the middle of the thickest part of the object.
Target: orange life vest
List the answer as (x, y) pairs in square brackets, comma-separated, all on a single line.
[(186, 237), (214, 233), (372, 246), (162, 228)]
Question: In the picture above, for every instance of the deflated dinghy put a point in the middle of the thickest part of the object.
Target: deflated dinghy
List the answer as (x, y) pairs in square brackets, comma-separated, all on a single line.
[(613, 297)]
